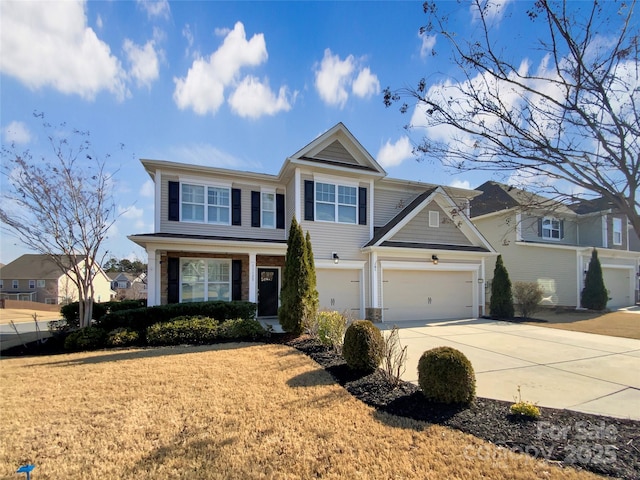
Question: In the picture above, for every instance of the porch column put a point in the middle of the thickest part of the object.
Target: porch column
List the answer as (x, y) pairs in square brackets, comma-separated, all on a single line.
[(374, 280), (153, 279), (252, 278), (483, 287)]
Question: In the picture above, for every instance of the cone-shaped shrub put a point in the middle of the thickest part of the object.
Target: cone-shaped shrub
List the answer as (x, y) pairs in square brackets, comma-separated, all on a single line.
[(363, 346), (594, 294), (445, 375), (313, 299), (501, 304)]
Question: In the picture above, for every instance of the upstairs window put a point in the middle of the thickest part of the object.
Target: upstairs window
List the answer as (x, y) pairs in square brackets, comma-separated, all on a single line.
[(336, 203), (617, 231), (268, 210), (15, 283), (32, 284), (41, 283), (205, 204), (551, 228)]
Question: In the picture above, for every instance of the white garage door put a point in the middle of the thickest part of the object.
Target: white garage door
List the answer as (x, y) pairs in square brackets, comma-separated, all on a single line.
[(339, 290), (618, 283), (419, 295)]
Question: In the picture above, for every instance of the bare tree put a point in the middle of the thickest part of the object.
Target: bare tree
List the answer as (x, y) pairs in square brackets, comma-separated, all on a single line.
[(568, 128), (60, 204)]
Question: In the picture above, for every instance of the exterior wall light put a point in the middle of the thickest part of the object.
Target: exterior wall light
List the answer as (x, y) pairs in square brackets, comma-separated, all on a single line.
[(434, 258), (335, 257)]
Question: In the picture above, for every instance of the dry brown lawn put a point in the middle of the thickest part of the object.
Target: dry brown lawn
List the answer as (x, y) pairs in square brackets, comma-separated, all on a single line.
[(615, 324), (226, 411)]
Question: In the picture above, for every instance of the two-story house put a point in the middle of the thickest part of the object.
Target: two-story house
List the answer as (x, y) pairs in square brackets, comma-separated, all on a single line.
[(37, 278), (385, 249), (550, 243), (128, 286)]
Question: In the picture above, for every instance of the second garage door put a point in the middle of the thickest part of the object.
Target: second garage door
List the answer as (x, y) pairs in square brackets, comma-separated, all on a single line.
[(420, 295), (618, 282), (339, 290)]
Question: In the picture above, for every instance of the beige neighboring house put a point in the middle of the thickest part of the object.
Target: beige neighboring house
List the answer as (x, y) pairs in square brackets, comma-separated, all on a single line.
[(385, 249), (551, 244), (36, 278)]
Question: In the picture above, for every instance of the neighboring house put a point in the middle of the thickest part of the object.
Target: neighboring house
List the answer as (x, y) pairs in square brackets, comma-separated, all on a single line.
[(36, 278), (384, 249), (550, 243), (128, 286)]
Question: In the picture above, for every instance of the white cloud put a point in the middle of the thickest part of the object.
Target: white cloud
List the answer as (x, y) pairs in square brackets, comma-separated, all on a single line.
[(460, 184), (493, 10), (333, 78), (210, 156), (144, 62), (16, 132), (366, 84), (155, 8), (99, 23), (393, 154), (253, 99), (426, 47), (50, 44), (148, 189), (202, 89), (130, 213)]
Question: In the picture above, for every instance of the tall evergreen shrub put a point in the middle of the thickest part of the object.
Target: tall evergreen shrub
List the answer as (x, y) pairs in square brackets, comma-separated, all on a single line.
[(594, 294), (501, 304), (312, 293), (294, 293)]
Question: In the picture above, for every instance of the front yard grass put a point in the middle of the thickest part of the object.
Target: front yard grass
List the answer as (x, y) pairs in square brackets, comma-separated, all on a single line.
[(615, 324), (222, 411)]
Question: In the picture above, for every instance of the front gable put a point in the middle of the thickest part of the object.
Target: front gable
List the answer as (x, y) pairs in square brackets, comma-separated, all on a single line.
[(337, 150), (430, 220)]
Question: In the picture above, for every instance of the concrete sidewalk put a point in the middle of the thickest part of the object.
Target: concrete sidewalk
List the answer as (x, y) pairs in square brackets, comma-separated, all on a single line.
[(554, 368)]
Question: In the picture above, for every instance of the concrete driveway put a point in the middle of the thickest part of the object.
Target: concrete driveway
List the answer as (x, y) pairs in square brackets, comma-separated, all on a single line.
[(555, 368)]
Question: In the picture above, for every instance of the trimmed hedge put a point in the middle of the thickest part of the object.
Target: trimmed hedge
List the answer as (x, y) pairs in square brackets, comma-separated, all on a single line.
[(142, 318), (184, 330), (90, 338), (70, 311)]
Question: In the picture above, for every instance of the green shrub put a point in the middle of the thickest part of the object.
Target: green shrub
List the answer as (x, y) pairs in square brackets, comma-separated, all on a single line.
[(89, 338), (184, 330), (241, 328), (331, 328), (445, 375), (71, 313), (594, 295), (141, 318), (528, 296), (363, 346), (501, 303), (122, 337), (524, 409)]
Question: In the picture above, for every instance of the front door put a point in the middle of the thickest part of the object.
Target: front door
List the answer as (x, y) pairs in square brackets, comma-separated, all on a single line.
[(267, 292)]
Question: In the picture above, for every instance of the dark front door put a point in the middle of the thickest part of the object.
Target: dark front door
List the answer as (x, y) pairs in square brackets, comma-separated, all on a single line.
[(267, 292)]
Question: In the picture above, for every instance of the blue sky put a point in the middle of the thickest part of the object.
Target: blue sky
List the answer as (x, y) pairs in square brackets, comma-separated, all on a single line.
[(227, 84)]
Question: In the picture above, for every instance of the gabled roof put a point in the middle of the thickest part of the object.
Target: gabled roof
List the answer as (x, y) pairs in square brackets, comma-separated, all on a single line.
[(595, 205), (337, 148), (31, 267), (497, 197)]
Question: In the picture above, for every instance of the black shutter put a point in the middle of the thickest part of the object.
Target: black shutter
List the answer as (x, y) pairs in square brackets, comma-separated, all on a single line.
[(308, 199), (236, 209), (540, 227), (255, 209), (173, 280), (236, 280), (362, 206), (174, 201), (280, 210)]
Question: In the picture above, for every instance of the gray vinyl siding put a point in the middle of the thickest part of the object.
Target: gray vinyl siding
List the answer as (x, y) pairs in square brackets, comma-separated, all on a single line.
[(418, 229), (591, 231), (242, 231), (337, 152), (388, 203)]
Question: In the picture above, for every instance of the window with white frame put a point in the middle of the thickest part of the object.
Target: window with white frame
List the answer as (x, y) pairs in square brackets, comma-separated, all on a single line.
[(551, 228), (1, 283), (207, 204), (41, 283), (268, 210), (203, 279), (336, 203), (15, 283), (32, 284), (434, 219), (617, 231)]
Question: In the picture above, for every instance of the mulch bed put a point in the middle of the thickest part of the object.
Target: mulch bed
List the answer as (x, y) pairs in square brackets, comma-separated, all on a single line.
[(603, 445)]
